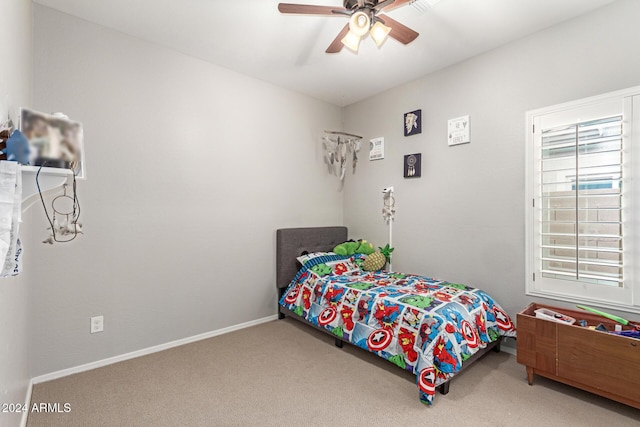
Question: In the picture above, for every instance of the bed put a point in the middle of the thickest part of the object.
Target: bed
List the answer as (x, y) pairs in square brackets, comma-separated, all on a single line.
[(429, 327)]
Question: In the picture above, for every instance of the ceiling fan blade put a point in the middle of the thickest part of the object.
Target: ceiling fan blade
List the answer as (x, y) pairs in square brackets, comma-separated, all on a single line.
[(309, 9), (336, 45), (400, 32), (388, 5)]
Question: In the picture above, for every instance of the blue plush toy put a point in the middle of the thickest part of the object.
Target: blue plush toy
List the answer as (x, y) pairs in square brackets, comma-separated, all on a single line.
[(17, 148)]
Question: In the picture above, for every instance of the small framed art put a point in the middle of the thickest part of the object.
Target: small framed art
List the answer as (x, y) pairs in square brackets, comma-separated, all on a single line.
[(459, 132), (376, 148), (413, 123), (413, 165)]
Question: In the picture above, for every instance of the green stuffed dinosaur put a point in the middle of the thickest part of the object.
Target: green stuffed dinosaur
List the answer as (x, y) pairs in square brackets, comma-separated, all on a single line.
[(352, 247)]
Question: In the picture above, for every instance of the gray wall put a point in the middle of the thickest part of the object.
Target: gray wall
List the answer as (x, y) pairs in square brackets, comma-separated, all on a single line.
[(464, 219), (15, 91), (191, 168)]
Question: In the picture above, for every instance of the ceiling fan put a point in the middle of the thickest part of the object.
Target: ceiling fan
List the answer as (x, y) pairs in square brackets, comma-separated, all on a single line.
[(364, 17)]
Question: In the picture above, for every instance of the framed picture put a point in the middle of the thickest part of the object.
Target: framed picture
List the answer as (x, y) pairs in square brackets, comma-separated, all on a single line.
[(459, 131), (54, 140), (413, 123), (413, 165), (376, 148)]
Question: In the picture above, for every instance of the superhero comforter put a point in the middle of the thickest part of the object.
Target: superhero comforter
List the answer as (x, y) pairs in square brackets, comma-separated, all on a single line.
[(426, 326)]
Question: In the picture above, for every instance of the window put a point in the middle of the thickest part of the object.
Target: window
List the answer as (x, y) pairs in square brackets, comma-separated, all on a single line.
[(581, 223)]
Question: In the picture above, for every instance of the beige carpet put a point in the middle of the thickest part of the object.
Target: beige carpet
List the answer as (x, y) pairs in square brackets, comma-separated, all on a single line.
[(283, 373)]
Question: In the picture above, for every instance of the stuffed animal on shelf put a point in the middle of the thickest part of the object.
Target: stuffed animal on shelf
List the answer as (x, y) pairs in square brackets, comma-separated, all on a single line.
[(15, 148)]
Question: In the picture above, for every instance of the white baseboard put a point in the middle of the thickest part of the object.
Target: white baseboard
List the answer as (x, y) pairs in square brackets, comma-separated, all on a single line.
[(511, 349), (27, 404), (145, 351)]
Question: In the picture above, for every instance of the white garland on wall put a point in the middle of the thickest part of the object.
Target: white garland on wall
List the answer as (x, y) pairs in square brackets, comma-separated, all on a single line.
[(338, 147)]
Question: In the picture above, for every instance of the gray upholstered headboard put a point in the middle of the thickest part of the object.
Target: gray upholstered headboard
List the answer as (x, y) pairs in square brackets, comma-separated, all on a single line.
[(292, 242)]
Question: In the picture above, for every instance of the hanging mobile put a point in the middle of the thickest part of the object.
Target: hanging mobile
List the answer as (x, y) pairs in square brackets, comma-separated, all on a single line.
[(65, 205), (388, 213), (66, 212)]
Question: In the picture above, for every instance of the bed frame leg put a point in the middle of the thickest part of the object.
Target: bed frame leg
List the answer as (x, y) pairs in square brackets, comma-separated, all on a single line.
[(444, 388), (281, 315), (339, 343), (496, 347)]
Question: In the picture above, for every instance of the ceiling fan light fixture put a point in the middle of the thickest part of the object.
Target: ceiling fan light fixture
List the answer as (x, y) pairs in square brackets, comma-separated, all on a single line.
[(359, 23), (365, 18), (379, 33), (352, 41)]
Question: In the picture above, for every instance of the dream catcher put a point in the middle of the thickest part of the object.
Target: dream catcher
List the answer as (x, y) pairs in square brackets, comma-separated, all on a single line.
[(63, 221), (338, 147), (411, 165), (388, 205), (388, 213)]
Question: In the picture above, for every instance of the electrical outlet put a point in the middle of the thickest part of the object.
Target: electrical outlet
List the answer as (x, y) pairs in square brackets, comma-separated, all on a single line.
[(97, 324)]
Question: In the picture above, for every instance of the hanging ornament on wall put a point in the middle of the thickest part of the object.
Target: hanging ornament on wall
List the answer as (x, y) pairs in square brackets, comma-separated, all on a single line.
[(337, 147), (63, 223)]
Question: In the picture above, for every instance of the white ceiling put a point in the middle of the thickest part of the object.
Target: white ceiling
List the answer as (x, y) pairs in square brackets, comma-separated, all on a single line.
[(253, 38)]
